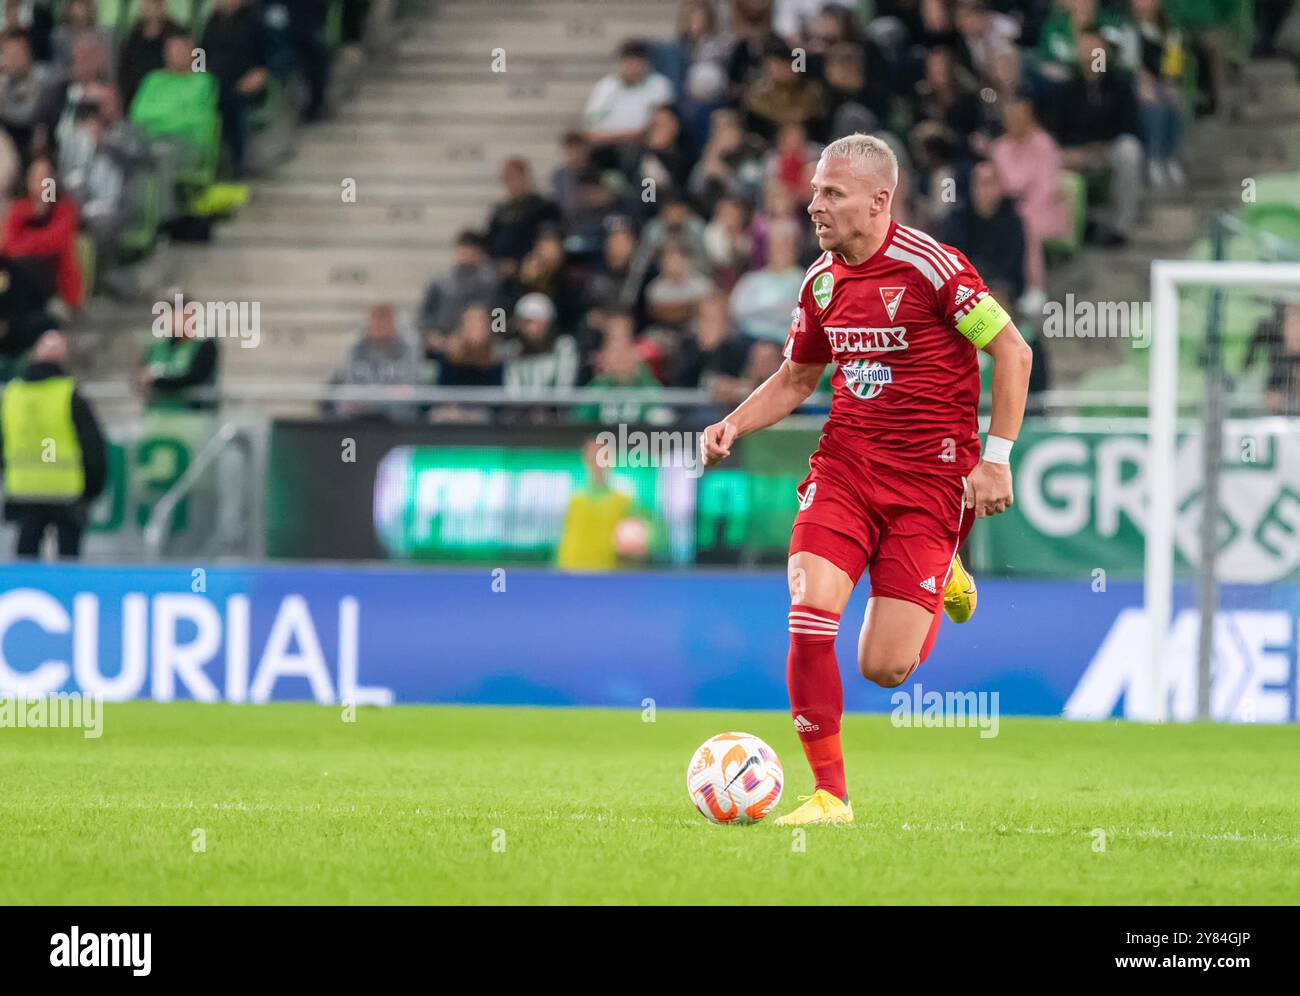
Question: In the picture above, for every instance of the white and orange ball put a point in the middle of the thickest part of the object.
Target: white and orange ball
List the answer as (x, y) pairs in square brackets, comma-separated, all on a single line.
[(735, 778)]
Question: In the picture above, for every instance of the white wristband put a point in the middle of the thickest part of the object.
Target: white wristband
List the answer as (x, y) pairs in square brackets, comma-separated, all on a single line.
[(997, 449)]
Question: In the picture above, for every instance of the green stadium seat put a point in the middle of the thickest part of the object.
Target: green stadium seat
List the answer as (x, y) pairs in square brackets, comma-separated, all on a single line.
[(84, 250), (1076, 195), (141, 233), (1278, 219)]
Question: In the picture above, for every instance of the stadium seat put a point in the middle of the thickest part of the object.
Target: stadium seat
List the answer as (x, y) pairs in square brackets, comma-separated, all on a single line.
[(141, 234), (84, 250), (1277, 219), (1076, 195)]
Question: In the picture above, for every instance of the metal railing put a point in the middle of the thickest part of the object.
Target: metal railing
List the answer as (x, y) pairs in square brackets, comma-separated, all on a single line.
[(244, 537), (281, 393)]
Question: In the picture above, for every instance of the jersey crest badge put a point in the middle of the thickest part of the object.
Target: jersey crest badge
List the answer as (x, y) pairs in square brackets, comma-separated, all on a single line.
[(892, 298), (821, 289)]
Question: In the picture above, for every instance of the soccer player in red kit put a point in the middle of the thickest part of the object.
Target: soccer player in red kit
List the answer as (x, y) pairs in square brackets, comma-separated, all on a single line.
[(898, 478)]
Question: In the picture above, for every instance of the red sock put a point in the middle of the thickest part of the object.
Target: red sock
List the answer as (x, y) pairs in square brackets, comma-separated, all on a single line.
[(928, 645), (816, 694)]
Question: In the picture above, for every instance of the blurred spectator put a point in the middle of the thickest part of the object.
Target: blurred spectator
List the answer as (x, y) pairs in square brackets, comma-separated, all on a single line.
[(676, 222), (830, 25), (564, 179), (779, 205), (1277, 342), (177, 108), (1029, 167), (1005, 83), (1098, 135), (751, 23), (786, 162), (95, 177), (991, 234), (238, 55), (621, 103), (727, 241), (142, 50), (932, 26), (80, 20), (730, 165), (311, 51), (28, 92), (472, 279), (762, 360), (859, 93), (699, 33), (538, 358), (985, 34), (614, 285), (940, 170), (665, 156), (714, 350), (1058, 42), (782, 96), (469, 356), (42, 230), (178, 362), (762, 300), (619, 363), (796, 21), (23, 315), (592, 518), (36, 20), (673, 297), (705, 92), (515, 221), (544, 270), (382, 355), (597, 203), (946, 97), (1154, 53), (41, 406), (699, 41), (88, 82)]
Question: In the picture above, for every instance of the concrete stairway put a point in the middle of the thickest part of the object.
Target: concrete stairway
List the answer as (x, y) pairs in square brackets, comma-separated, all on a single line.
[(1261, 135), (422, 142)]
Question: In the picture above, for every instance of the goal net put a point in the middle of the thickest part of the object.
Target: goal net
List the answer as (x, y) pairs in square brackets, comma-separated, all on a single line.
[(1221, 598)]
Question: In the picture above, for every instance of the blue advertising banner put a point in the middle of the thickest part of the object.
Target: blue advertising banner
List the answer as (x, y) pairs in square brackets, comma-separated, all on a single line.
[(535, 637)]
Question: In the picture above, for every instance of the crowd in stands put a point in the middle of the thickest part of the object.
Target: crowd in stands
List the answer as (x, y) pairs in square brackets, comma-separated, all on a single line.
[(668, 247), (111, 133)]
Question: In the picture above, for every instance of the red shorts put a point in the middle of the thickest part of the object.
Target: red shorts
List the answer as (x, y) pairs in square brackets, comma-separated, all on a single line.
[(907, 526)]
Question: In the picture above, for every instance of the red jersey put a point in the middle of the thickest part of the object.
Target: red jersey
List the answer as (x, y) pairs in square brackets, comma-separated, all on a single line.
[(902, 329)]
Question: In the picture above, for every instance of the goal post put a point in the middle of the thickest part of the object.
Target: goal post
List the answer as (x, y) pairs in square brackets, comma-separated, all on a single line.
[(1168, 277)]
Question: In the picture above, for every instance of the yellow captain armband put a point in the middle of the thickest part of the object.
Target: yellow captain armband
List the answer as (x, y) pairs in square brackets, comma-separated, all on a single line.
[(983, 322)]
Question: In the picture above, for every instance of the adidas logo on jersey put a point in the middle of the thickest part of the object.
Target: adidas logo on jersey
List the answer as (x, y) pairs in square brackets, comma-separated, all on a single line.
[(963, 292), (928, 585), (802, 725)]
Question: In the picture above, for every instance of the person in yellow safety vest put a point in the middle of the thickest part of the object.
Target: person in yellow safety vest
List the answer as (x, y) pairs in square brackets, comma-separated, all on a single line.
[(178, 359), (603, 530), (52, 454)]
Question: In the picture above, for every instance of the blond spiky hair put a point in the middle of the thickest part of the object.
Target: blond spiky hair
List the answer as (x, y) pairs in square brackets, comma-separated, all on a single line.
[(867, 156)]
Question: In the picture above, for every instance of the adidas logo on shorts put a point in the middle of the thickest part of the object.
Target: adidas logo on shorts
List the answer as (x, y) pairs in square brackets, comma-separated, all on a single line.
[(928, 585), (802, 725)]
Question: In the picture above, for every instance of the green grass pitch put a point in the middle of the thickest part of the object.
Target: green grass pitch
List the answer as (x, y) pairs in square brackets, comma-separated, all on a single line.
[(495, 805)]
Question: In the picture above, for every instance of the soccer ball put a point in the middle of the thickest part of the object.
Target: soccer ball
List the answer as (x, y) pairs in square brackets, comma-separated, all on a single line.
[(734, 778)]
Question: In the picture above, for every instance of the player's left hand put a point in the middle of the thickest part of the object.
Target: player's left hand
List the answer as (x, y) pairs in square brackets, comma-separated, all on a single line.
[(988, 489)]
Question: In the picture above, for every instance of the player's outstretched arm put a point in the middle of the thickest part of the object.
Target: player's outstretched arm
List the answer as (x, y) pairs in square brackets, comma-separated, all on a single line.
[(770, 402), (989, 486)]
